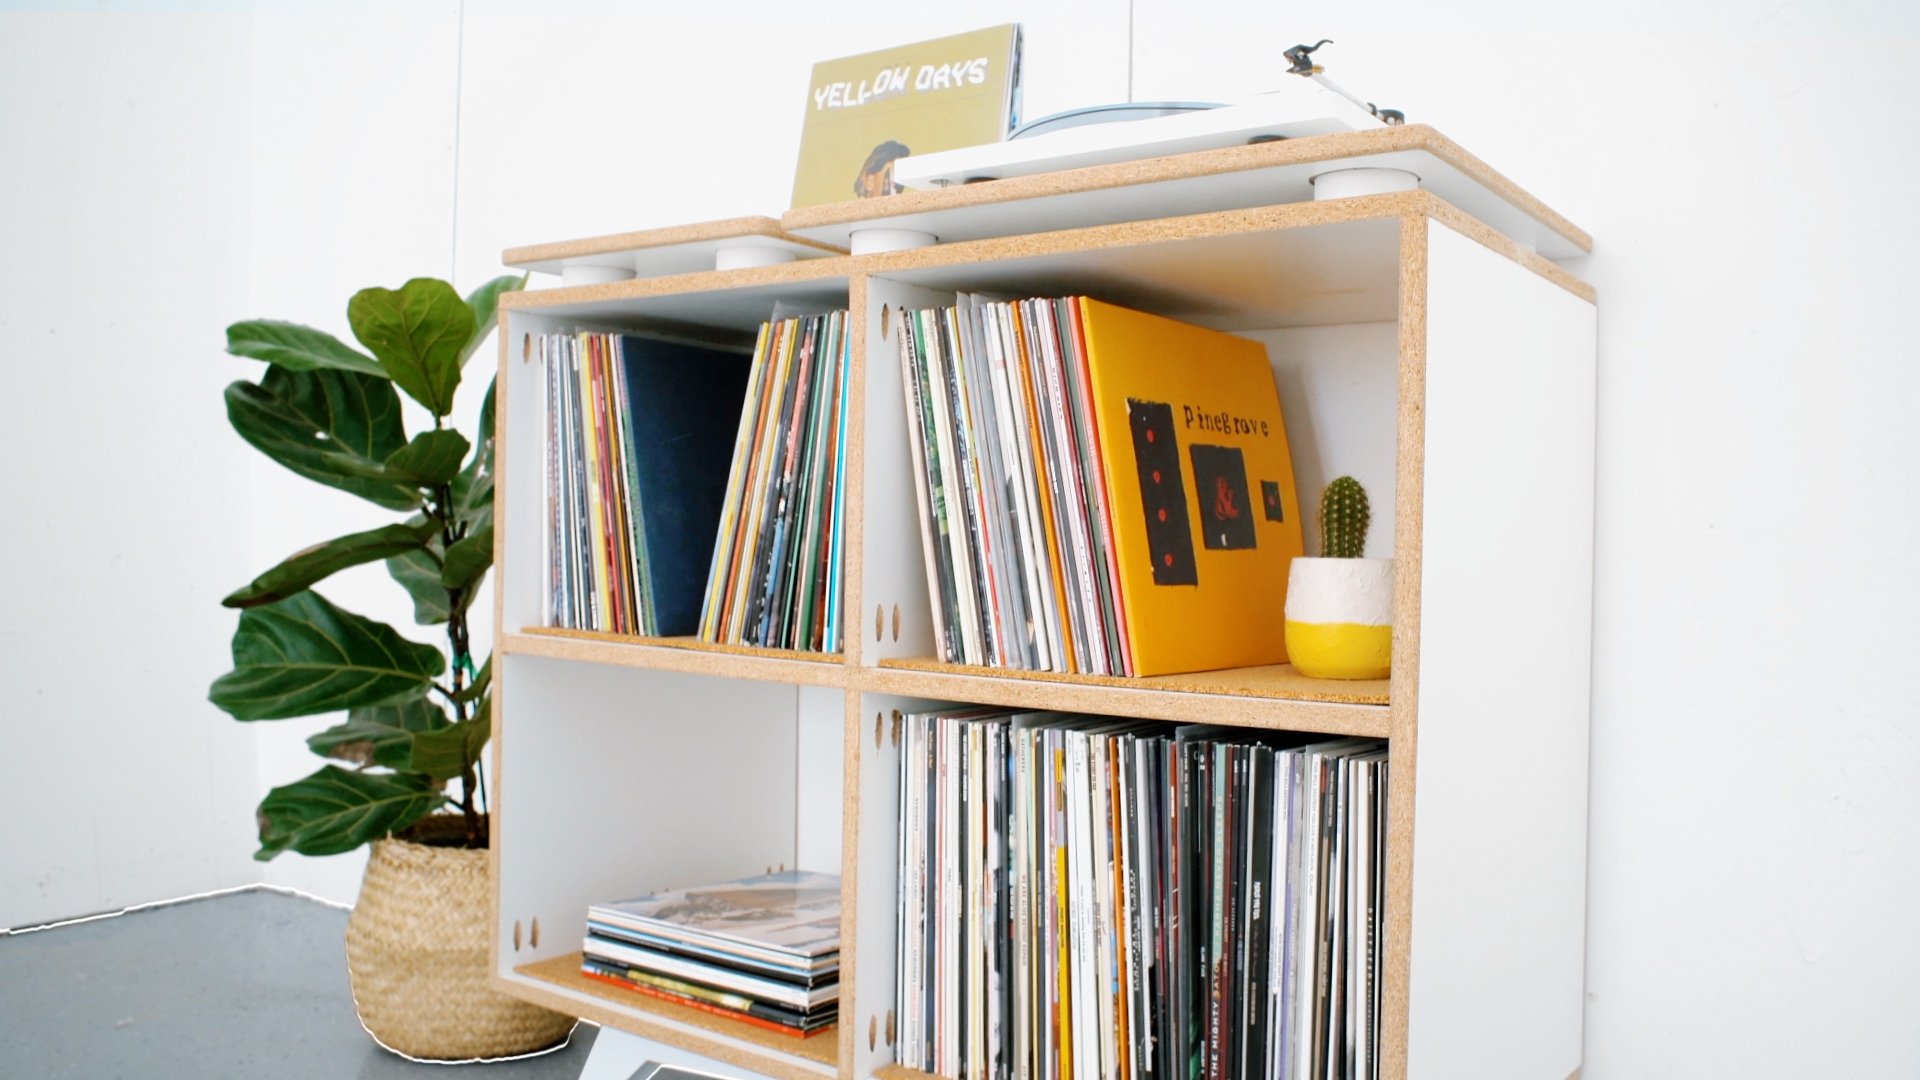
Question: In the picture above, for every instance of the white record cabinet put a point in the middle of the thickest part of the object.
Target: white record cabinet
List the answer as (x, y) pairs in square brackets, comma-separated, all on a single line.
[(1416, 347)]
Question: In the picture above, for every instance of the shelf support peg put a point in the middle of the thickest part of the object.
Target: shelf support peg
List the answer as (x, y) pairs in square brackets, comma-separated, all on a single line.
[(746, 256), (876, 241), (1346, 183)]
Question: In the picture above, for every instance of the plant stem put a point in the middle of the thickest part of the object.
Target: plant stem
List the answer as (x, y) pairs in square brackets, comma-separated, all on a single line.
[(461, 647)]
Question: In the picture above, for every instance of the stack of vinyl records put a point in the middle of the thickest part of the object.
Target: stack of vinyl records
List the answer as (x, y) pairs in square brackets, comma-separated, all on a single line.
[(1086, 896), (1101, 491), (763, 950), (774, 578), (637, 443)]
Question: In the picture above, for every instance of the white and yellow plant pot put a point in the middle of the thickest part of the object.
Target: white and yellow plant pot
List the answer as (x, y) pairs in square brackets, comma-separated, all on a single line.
[(1340, 617)]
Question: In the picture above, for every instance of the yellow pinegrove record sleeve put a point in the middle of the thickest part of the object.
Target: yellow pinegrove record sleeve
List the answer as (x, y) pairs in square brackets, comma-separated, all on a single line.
[(1200, 489), (866, 112)]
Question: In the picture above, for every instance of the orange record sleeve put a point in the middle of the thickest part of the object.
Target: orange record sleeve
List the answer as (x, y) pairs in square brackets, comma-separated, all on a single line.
[(1205, 514)]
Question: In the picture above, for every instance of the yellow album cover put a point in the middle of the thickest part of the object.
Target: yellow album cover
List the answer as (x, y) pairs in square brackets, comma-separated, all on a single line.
[(866, 112), (1204, 512)]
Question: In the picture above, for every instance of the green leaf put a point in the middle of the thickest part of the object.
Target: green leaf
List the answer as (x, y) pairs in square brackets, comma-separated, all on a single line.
[(297, 348), (479, 729), (413, 736), (473, 488), (334, 427), (485, 303), (305, 568), (336, 810), (417, 332), (468, 559), (447, 754), (419, 573), (303, 655), (431, 459), (442, 754), (473, 494), (381, 734), (486, 415), (482, 681)]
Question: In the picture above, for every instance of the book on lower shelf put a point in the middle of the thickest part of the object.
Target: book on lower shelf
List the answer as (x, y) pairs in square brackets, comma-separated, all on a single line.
[(764, 950), (1101, 491), (1086, 896)]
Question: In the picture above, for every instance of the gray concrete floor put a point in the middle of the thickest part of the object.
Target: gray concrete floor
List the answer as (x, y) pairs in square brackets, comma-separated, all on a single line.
[(248, 985)]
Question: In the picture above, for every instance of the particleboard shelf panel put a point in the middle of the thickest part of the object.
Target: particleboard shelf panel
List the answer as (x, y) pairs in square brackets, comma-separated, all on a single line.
[(1278, 681), (1236, 177), (683, 654), (678, 249), (560, 982), (719, 307), (1274, 714), (1299, 264), (1274, 696)]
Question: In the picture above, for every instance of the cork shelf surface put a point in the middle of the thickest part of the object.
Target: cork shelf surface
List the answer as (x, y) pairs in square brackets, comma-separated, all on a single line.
[(1272, 697), (1268, 681), (1233, 178), (684, 654), (671, 250), (563, 972)]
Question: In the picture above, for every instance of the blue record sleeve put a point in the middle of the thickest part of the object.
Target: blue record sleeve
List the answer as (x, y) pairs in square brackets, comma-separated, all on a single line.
[(684, 405)]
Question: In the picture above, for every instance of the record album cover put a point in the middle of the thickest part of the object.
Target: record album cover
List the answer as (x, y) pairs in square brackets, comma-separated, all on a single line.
[(793, 910), (865, 112)]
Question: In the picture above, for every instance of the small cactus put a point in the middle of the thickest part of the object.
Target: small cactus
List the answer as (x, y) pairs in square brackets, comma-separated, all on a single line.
[(1343, 519)]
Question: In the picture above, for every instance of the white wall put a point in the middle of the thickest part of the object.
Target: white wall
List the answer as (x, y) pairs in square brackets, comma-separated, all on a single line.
[(351, 182), (1755, 832), (1755, 825), (124, 232), (693, 111)]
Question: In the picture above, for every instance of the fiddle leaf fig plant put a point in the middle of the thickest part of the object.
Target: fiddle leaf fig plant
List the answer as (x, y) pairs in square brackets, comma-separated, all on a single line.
[(417, 718)]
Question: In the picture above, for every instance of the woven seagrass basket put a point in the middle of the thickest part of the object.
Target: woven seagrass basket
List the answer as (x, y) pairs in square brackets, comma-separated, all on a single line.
[(417, 957)]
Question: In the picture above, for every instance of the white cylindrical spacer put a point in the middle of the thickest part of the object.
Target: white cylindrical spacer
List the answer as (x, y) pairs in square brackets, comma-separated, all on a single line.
[(742, 256), (1346, 183), (875, 241), (574, 273)]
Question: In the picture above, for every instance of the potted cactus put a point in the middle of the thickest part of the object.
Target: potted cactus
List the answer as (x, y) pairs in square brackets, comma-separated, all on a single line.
[(1340, 606)]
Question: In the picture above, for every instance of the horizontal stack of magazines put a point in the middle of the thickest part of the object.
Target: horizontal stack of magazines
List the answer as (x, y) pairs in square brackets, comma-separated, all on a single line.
[(1093, 897), (763, 950)]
